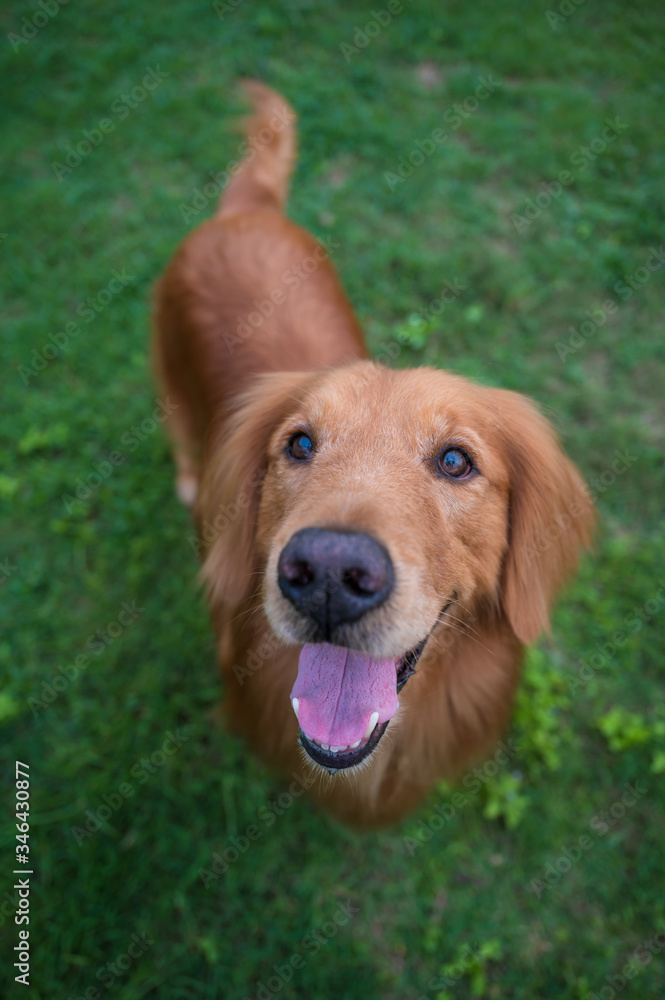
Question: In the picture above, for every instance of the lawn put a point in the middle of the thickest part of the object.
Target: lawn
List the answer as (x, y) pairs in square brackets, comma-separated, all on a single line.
[(491, 176)]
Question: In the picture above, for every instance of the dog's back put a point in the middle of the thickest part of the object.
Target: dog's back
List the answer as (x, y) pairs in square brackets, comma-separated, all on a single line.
[(247, 293)]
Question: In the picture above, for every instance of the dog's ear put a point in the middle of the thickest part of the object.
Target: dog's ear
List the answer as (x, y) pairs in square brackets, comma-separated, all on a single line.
[(228, 502), (550, 518)]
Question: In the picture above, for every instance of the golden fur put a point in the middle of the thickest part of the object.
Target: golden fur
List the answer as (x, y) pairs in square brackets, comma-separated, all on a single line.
[(497, 546)]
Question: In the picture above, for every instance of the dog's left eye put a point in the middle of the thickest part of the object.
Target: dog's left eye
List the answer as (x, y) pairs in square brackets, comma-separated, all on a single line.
[(454, 462), (300, 447)]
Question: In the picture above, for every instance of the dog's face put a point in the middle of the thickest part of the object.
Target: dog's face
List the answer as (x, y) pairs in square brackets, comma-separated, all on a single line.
[(385, 505), (404, 459)]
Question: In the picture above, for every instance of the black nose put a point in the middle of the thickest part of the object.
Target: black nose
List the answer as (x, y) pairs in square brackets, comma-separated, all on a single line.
[(334, 577)]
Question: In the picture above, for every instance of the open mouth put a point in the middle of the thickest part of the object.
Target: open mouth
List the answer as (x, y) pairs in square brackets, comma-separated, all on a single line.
[(332, 674)]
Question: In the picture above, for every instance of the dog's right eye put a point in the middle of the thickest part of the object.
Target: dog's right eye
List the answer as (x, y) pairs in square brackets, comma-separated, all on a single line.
[(300, 447)]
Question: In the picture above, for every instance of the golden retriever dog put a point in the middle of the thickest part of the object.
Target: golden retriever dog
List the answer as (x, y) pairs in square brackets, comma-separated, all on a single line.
[(377, 545)]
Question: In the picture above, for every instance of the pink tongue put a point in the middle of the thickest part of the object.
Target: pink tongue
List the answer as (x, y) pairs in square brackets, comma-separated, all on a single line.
[(339, 689)]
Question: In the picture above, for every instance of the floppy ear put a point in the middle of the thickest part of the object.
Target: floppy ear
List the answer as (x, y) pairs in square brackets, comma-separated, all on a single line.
[(551, 514), (228, 502)]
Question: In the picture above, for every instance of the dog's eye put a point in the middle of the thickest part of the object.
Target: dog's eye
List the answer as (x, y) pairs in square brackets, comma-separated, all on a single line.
[(300, 447), (454, 462)]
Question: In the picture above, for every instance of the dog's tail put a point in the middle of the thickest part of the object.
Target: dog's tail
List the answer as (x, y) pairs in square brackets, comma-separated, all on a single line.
[(261, 180)]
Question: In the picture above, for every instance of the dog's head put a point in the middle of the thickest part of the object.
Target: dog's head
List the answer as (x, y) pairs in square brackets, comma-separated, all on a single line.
[(377, 506)]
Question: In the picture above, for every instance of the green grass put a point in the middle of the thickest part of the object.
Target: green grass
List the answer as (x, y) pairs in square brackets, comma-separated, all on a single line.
[(460, 905)]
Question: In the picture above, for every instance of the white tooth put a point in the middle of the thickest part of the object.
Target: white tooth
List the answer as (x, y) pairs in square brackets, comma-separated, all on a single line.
[(373, 719), (336, 749), (296, 705), (354, 745), (324, 746)]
